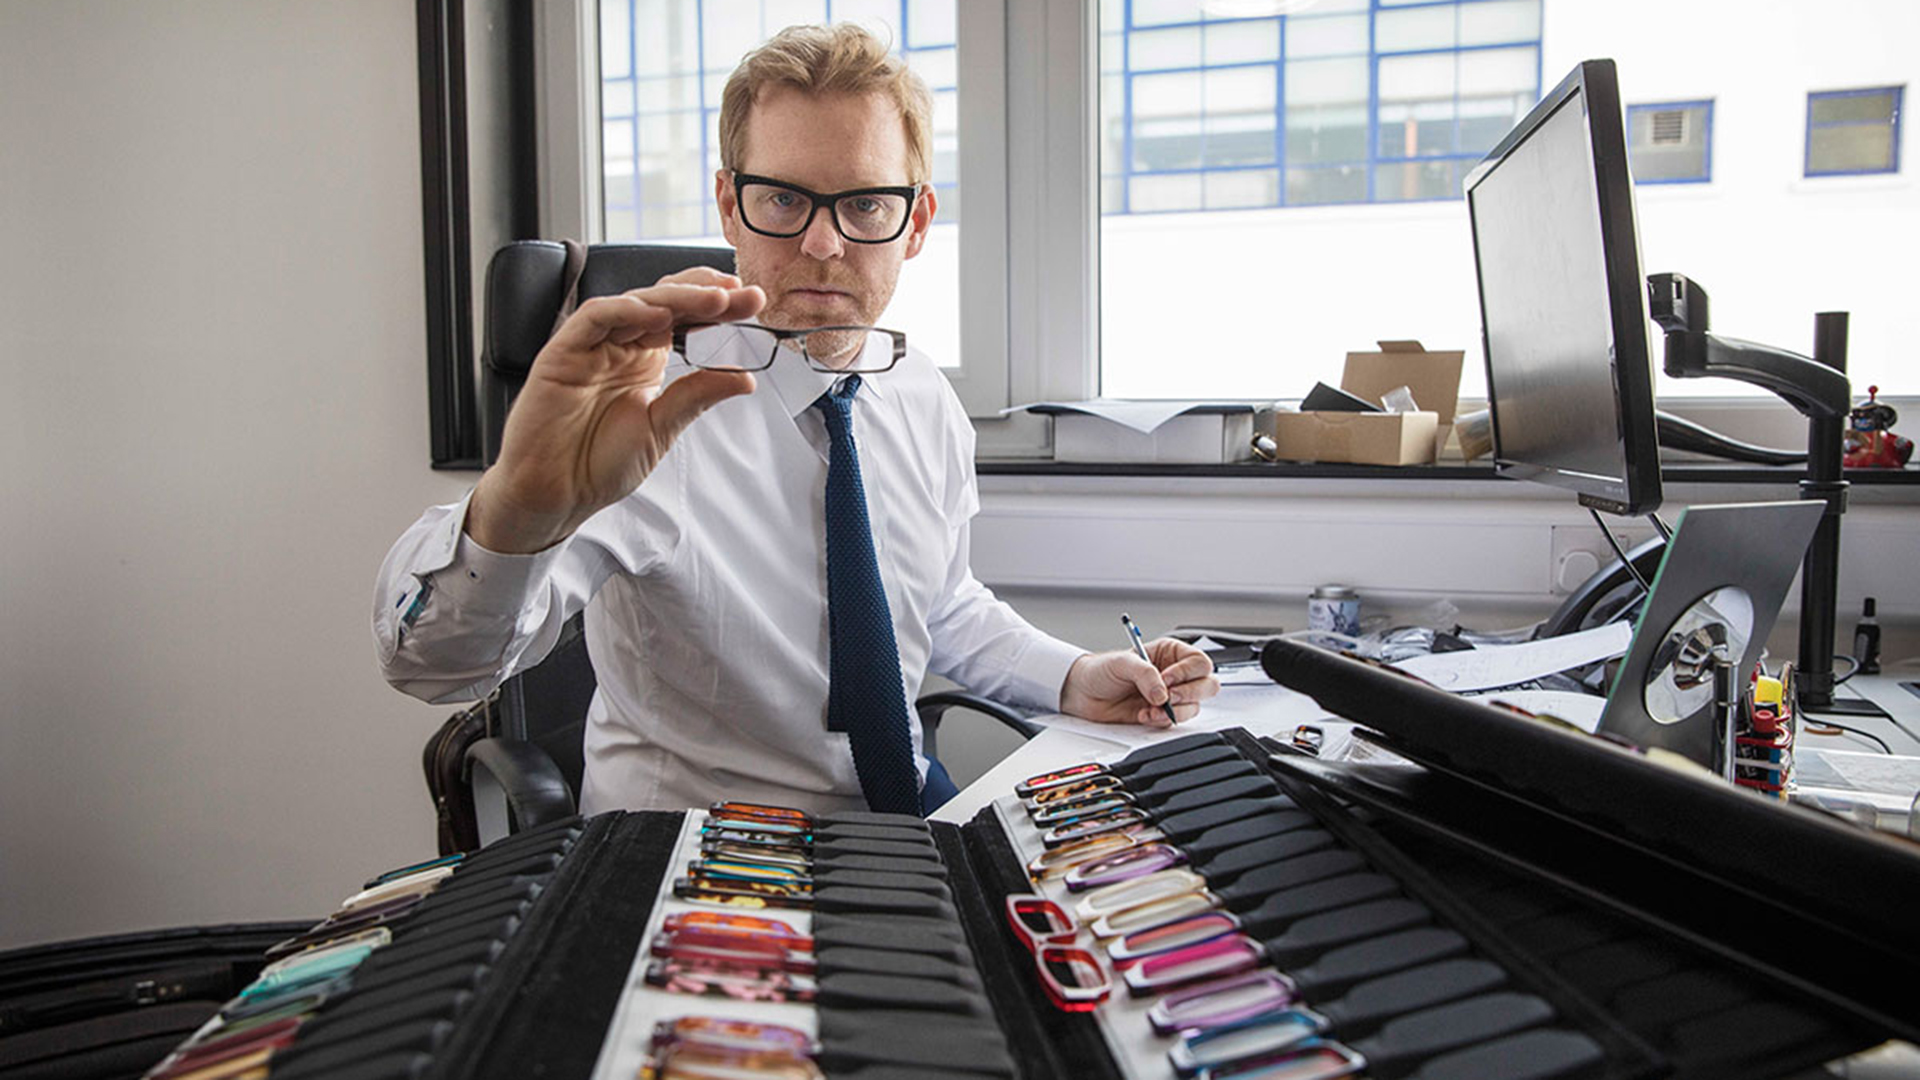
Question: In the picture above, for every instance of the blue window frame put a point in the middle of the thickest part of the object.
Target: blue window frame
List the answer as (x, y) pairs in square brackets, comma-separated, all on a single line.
[(1350, 101), (1671, 142), (663, 66), (1854, 132)]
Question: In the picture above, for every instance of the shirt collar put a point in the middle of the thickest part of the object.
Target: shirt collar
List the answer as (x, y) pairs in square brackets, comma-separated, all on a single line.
[(799, 386)]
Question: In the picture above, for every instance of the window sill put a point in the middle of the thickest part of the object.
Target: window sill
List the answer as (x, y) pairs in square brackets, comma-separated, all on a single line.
[(1681, 472)]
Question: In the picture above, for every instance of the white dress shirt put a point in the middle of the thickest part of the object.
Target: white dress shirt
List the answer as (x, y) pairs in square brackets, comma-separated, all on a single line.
[(706, 596)]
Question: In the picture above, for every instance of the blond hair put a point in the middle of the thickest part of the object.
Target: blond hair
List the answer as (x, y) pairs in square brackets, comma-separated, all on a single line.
[(843, 58)]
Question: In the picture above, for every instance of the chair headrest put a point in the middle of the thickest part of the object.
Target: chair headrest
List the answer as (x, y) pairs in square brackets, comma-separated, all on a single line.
[(525, 279)]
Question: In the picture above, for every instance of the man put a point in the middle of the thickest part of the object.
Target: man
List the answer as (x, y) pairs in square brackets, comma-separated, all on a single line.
[(753, 637)]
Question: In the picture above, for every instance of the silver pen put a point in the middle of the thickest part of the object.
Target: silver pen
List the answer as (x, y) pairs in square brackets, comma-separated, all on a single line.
[(1140, 650)]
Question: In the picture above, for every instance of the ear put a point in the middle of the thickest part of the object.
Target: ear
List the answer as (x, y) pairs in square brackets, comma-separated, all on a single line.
[(725, 201), (922, 220)]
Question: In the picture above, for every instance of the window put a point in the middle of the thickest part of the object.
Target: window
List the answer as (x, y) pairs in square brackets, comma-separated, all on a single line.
[(1221, 198), (1206, 108), (663, 65), (1222, 121), (1853, 131), (1671, 142)]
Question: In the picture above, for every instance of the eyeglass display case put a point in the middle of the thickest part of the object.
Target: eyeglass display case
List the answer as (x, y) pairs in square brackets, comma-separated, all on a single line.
[(1215, 905)]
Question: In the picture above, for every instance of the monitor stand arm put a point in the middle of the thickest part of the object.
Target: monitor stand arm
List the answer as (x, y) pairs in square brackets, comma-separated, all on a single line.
[(1818, 389)]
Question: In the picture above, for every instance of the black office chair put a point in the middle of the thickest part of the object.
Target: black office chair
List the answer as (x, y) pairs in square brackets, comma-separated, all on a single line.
[(515, 760)]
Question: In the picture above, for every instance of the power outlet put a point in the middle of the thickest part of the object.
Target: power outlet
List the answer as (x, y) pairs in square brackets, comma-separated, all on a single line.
[(1579, 551)]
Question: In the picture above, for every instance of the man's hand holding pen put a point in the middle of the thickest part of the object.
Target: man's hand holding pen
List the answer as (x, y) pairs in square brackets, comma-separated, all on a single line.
[(1121, 687)]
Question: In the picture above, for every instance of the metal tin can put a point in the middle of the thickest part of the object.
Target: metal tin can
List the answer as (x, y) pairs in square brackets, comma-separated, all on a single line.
[(1334, 608)]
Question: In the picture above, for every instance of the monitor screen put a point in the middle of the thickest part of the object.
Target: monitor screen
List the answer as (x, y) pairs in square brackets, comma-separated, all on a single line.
[(1563, 302)]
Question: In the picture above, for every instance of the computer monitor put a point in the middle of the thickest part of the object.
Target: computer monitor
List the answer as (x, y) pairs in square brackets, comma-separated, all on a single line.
[(1563, 305)]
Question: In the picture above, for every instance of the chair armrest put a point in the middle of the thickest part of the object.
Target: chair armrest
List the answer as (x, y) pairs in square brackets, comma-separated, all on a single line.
[(932, 707), (515, 786)]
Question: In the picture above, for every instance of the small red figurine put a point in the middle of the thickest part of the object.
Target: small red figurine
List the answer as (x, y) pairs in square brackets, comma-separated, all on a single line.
[(1869, 442)]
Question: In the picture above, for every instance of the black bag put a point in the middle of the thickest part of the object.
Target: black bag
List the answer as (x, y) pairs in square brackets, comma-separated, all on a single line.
[(445, 762), (114, 1006)]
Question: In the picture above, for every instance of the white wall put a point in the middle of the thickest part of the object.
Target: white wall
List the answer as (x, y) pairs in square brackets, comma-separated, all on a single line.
[(1179, 291), (213, 421)]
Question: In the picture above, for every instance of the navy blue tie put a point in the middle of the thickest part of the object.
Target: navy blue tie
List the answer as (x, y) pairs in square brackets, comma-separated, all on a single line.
[(865, 698)]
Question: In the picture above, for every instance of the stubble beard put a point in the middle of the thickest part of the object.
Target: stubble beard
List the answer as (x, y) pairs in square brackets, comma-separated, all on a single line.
[(843, 346)]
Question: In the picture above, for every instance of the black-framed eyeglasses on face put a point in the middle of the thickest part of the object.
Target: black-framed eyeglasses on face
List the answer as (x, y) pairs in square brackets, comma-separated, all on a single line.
[(874, 215), (837, 350)]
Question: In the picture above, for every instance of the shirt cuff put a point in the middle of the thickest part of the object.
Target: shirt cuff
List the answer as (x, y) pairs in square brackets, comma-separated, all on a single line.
[(1042, 669), (486, 582)]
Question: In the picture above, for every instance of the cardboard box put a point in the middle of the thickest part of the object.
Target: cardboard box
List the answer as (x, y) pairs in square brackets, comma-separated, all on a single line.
[(1201, 434), (1408, 438)]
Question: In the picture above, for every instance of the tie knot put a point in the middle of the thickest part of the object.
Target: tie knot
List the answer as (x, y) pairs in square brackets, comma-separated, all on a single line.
[(839, 400)]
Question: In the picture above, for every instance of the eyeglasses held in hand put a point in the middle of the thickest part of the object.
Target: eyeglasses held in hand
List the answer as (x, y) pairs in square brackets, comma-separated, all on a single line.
[(836, 350), (870, 215)]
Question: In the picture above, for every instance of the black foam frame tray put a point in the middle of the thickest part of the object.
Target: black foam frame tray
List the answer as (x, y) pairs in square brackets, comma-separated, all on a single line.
[(545, 1009), (1845, 893)]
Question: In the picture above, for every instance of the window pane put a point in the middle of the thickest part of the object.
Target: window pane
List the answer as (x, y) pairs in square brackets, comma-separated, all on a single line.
[(1153, 49), (1243, 42), (1326, 82), (1415, 28), (1417, 180), (1306, 187), (1158, 12), (1850, 148), (1845, 108), (1341, 36), (1668, 142), (1493, 71), (1499, 22), (1420, 130), (880, 16), (1417, 78), (667, 94), (1182, 191), (1327, 134), (938, 67), (616, 41), (929, 22), (1242, 90), (1242, 188)]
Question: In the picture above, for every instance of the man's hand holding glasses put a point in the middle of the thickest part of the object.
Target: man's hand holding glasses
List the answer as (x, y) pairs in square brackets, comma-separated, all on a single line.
[(596, 415)]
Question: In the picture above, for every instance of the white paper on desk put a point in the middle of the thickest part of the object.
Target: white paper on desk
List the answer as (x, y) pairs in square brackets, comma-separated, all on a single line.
[(1264, 708), (1141, 416), (1505, 665)]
